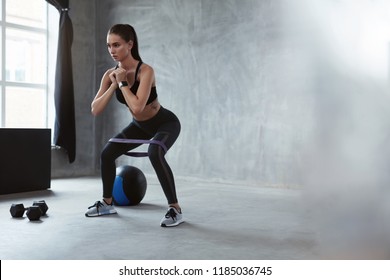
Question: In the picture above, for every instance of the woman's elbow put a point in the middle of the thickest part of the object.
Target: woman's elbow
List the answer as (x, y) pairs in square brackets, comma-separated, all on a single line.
[(137, 109), (95, 112)]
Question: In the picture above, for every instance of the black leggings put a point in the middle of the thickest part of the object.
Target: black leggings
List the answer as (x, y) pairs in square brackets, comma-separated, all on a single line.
[(164, 127)]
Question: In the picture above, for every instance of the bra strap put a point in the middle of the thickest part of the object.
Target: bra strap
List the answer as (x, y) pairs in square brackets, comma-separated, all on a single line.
[(136, 71)]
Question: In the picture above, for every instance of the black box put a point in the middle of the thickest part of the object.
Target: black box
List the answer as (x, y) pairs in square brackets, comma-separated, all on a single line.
[(25, 159)]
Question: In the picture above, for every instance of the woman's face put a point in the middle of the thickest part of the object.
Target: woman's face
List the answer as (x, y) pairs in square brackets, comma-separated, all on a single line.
[(118, 48)]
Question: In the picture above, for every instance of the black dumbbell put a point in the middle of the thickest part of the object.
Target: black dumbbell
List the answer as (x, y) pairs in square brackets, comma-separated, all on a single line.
[(33, 213), (42, 205)]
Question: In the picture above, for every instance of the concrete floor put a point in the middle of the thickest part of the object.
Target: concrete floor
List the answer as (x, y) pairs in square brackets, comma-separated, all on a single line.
[(223, 221)]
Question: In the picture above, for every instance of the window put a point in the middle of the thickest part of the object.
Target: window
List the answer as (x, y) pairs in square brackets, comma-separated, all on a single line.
[(24, 64)]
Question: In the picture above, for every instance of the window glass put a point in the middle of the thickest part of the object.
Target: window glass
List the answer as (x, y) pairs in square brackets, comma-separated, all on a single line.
[(26, 12), (1, 52), (24, 59), (25, 56), (25, 107)]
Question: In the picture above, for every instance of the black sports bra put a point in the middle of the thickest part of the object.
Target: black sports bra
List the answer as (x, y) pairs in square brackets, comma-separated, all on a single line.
[(134, 88)]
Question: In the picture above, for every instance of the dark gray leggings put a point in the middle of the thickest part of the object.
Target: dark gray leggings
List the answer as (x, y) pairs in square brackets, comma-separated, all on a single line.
[(164, 127)]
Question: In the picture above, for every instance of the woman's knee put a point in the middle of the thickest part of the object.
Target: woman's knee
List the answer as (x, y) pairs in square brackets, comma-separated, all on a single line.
[(107, 154), (155, 153)]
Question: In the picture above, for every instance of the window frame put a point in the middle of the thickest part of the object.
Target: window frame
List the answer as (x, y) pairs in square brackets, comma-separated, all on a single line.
[(50, 31)]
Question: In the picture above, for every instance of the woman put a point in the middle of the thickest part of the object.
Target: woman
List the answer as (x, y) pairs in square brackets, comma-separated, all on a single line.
[(134, 85)]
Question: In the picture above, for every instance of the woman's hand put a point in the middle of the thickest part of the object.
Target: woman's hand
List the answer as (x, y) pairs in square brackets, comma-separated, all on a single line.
[(113, 78), (120, 75)]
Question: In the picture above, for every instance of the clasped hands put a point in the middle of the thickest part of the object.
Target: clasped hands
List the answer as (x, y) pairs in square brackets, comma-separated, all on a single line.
[(118, 75)]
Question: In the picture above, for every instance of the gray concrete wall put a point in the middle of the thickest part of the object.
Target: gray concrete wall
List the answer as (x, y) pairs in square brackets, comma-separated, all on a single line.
[(271, 92), (261, 87), (228, 72), (224, 67)]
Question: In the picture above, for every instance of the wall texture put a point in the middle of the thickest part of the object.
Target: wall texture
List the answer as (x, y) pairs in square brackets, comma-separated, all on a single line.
[(269, 92), (261, 87), (227, 70)]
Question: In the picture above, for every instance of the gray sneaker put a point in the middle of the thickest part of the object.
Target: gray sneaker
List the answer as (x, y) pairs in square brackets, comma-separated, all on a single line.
[(172, 218), (100, 208)]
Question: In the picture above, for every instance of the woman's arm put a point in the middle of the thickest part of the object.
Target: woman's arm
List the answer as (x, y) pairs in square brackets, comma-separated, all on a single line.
[(137, 102), (108, 86)]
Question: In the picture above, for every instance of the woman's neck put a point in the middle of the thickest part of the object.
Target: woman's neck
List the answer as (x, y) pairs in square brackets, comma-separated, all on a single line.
[(128, 63)]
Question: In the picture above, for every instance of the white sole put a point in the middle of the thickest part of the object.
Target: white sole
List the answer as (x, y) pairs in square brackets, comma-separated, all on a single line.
[(172, 225), (100, 214)]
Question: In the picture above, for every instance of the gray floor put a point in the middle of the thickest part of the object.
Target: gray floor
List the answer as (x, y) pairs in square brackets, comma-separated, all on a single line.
[(223, 221)]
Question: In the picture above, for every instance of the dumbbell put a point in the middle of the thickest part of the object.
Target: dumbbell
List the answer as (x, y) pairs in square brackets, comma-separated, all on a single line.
[(33, 212), (42, 205)]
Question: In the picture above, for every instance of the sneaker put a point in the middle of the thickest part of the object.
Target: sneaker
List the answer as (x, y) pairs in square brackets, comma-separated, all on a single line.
[(172, 218), (100, 209)]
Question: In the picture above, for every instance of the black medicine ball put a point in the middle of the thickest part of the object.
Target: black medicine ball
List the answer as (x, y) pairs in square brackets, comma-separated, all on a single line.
[(129, 186)]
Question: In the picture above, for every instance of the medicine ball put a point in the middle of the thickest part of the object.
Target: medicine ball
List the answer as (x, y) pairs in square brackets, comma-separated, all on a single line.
[(129, 186)]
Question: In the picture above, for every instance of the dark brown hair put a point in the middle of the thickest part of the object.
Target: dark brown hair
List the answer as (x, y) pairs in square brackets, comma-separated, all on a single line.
[(127, 33)]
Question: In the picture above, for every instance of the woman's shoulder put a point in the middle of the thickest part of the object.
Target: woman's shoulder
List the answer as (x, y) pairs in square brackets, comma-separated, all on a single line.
[(146, 68)]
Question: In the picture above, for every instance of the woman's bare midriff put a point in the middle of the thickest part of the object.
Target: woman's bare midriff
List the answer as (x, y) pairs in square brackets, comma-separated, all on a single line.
[(149, 112)]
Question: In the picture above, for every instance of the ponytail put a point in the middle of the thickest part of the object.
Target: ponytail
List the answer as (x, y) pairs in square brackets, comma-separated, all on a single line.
[(134, 49)]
